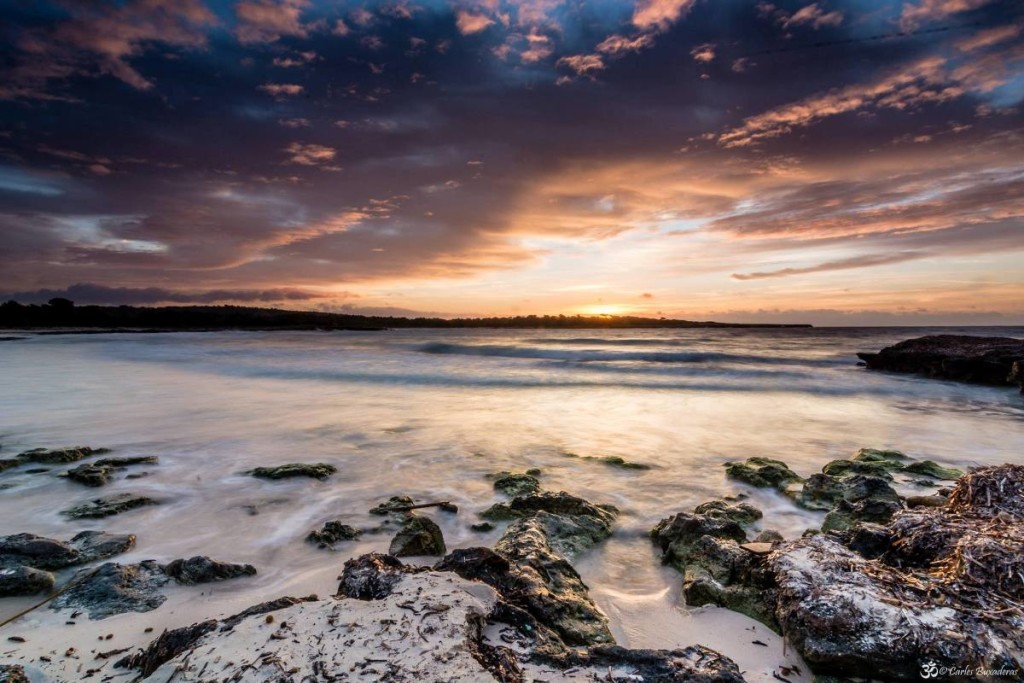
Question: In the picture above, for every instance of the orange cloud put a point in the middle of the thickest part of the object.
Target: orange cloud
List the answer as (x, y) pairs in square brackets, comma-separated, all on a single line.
[(660, 14)]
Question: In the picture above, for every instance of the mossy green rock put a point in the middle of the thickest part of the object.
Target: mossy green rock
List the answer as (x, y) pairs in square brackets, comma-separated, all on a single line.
[(820, 492), (762, 472), (929, 468), (888, 458), (514, 484), (741, 513), (560, 503), (418, 536), (333, 532), (846, 468)]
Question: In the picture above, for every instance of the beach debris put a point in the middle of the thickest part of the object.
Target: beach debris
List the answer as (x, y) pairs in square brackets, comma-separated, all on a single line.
[(319, 470), (166, 647), (98, 473), (333, 531), (400, 504), (417, 536), (108, 506), (202, 569), (762, 472)]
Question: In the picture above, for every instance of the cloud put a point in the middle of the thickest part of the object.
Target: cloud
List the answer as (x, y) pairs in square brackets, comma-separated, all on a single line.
[(310, 154), (469, 23), (616, 44), (100, 40), (989, 37), (295, 123), (742, 64), (660, 14), (87, 293), (704, 53), (813, 16), (266, 21), (297, 60), (582, 65), (866, 261), (914, 15), (280, 90)]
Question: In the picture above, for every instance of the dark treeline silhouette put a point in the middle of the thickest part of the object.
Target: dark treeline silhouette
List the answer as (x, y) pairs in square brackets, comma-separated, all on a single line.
[(65, 315)]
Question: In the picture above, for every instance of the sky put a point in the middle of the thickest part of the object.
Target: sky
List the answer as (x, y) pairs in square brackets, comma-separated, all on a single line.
[(840, 162)]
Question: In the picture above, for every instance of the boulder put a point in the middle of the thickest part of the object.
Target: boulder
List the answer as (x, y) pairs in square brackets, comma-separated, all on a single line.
[(762, 472), (108, 506), (934, 470), (372, 577), (980, 360), (862, 499), (333, 532), (418, 536), (560, 503), (201, 569), (22, 580), (46, 553), (114, 588), (319, 470), (845, 468)]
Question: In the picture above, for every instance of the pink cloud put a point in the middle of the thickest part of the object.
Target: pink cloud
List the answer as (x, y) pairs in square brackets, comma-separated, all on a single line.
[(660, 14), (265, 21), (282, 89), (469, 23)]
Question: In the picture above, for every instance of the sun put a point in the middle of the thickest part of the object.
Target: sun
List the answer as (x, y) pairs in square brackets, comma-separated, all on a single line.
[(604, 309)]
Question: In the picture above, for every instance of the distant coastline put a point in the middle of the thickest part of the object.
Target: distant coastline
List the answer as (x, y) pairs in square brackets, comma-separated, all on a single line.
[(61, 316)]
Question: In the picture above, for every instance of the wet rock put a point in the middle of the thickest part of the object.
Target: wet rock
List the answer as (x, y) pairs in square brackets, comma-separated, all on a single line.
[(890, 458), (169, 645), (108, 506), (932, 469), (925, 501), (981, 360), (114, 588), (516, 484), (819, 492), (333, 532), (264, 608), (13, 673), (392, 505), (9, 463), (869, 540), (23, 580), (622, 463), (201, 569), (762, 472), (319, 470), (768, 536), (99, 472), (58, 456), (372, 577), (705, 546), (863, 499), (1016, 375), (418, 536), (482, 527), (46, 553), (560, 503)]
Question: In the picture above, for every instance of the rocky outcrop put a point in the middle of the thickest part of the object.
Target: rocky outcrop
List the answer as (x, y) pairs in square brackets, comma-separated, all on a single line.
[(108, 506), (393, 622), (25, 559), (514, 484), (709, 547), (319, 470), (981, 360), (202, 569), (99, 472), (57, 456)]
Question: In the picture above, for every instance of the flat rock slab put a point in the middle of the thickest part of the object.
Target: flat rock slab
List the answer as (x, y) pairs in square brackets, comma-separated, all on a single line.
[(108, 506), (58, 456), (114, 588), (981, 360), (319, 470)]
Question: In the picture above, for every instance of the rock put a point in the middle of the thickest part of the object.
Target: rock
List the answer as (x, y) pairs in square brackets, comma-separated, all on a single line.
[(9, 463), (819, 492), (418, 536), (23, 580), (264, 608), (108, 506), (981, 360), (98, 473), (925, 501), (372, 577), (932, 469), (845, 468), (318, 470), (869, 540), (482, 527), (768, 536), (616, 461), (863, 499), (60, 455), (762, 472), (114, 589), (13, 673), (516, 484), (705, 546), (46, 553), (1016, 375), (166, 647), (890, 458), (388, 507), (201, 569), (333, 532), (560, 503)]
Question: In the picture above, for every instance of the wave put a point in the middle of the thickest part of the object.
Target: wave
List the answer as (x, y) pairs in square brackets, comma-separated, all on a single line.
[(597, 356)]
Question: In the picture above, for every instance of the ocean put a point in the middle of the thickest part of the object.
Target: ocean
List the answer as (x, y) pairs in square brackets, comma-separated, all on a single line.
[(431, 413)]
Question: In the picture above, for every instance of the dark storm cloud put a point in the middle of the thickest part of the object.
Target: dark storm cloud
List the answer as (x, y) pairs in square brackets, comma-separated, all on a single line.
[(265, 141)]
